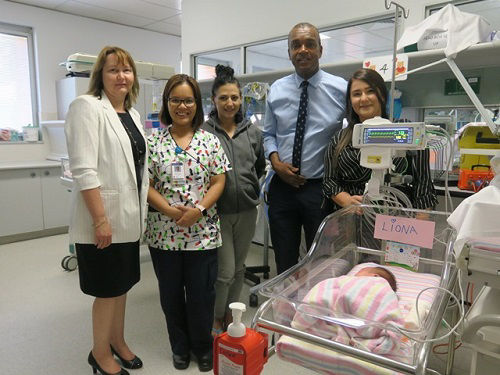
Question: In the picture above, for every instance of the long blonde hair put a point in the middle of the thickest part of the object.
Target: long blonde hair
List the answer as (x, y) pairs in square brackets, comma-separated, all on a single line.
[(96, 85)]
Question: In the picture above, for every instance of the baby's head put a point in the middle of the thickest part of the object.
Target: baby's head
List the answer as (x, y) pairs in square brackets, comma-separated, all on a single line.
[(379, 272)]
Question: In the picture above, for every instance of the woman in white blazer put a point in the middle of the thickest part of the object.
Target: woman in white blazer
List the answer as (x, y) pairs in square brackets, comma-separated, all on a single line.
[(108, 155)]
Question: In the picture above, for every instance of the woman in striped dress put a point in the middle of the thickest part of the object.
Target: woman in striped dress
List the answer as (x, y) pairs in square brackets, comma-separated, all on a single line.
[(344, 180)]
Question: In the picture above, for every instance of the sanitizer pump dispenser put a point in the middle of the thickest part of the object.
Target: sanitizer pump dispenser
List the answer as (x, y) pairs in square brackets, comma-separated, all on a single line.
[(237, 328), (240, 350)]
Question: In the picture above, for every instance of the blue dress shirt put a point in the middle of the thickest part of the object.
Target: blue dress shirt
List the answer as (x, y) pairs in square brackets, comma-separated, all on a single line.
[(325, 112)]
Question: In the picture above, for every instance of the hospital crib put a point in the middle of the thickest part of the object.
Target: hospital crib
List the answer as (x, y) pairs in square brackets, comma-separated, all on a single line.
[(344, 240)]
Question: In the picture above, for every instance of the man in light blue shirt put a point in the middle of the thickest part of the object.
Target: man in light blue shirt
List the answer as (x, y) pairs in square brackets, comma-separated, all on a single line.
[(295, 191)]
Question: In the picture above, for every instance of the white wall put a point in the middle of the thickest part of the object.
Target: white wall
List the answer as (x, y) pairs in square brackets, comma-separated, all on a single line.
[(211, 25), (57, 35)]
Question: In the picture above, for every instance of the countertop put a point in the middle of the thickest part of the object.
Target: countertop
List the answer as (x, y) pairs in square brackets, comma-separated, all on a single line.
[(28, 164), (454, 191)]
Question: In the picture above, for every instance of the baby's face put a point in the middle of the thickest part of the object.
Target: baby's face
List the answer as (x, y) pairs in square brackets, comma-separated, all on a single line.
[(372, 271), (378, 272)]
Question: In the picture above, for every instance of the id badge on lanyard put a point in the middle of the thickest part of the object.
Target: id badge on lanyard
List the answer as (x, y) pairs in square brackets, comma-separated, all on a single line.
[(178, 175)]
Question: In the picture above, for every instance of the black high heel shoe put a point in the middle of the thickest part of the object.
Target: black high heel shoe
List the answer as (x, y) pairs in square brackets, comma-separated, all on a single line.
[(95, 367), (133, 364)]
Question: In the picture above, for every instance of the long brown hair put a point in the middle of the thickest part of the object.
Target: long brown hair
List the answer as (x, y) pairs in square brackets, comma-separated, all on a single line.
[(96, 85), (376, 82), (174, 81)]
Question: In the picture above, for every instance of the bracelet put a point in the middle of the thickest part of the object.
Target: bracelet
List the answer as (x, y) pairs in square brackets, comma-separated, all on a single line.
[(202, 209), (103, 221)]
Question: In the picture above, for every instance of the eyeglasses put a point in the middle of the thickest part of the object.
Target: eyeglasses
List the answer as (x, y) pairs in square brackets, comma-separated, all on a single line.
[(188, 102)]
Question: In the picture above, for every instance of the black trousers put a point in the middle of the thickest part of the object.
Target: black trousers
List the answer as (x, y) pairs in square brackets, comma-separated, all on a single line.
[(290, 209), (186, 281)]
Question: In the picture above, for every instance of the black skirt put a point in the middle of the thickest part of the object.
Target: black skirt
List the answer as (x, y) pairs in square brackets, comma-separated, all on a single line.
[(108, 272)]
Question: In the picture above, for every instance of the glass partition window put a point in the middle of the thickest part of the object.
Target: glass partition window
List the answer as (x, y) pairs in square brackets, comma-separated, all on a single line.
[(267, 56), (205, 63), (357, 42), (17, 83), (354, 42), (348, 43)]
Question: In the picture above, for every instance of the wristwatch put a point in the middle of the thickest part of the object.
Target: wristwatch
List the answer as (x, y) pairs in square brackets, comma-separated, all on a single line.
[(202, 209)]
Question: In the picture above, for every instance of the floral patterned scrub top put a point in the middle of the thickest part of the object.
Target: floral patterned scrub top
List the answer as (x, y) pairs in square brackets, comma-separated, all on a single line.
[(203, 159)]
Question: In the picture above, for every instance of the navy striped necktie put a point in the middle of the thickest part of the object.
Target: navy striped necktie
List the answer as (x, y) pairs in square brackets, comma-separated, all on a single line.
[(301, 126)]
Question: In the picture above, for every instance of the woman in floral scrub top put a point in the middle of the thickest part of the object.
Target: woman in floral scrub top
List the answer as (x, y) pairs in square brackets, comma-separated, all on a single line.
[(162, 231), (186, 167)]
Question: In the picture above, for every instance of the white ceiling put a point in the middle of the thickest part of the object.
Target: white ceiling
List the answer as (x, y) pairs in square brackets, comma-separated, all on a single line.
[(163, 16)]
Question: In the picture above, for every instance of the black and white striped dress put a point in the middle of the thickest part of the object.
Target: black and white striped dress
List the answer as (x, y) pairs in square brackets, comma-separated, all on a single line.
[(351, 177)]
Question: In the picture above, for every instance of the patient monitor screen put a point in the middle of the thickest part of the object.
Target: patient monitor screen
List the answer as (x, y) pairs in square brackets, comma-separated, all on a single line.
[(379, 135)]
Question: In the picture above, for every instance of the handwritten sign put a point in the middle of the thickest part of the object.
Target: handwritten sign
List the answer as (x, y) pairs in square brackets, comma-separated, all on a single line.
[(383, 66), (402, 229)]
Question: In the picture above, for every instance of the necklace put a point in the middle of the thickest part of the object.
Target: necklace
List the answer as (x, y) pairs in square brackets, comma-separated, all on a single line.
[(135, 146), (178, 149)]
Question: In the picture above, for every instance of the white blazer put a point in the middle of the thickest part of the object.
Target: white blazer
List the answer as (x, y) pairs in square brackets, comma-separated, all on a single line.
[(100, 156)]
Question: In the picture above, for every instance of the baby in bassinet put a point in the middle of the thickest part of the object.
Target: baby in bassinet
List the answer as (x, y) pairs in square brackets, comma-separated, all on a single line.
[(331, 307), (379, 272)]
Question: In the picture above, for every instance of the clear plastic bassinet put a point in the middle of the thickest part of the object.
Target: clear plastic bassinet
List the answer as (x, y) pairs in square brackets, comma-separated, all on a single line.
[(344, 240)]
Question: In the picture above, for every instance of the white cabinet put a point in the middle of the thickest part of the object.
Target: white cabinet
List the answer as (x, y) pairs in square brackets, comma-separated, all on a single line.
[(32, 199), (56, 200), (20, 201)]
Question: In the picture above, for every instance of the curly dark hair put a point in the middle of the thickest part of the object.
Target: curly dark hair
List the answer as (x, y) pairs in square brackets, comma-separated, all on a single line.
[(224, 76)]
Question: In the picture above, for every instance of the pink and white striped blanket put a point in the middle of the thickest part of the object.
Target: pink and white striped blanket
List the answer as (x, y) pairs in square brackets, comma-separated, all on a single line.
[(326, 361), (331, 309)]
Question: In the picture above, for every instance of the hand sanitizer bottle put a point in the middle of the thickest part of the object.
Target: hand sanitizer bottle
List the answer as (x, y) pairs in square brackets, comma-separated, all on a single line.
[(237, 328), (240, 350)]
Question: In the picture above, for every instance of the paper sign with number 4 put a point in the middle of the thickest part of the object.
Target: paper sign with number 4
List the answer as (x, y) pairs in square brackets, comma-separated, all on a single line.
[(383, 65)]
